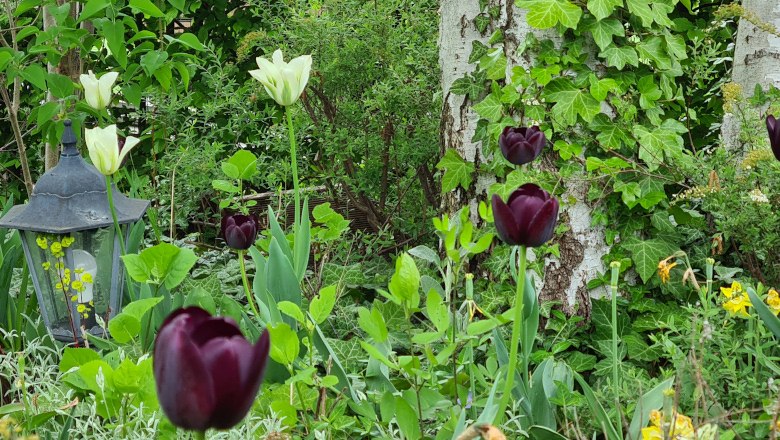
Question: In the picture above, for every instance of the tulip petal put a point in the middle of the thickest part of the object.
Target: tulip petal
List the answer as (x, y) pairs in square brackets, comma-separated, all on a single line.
[(225, 359), (504, 220), (105, 84), (236, 239), (103, 148), (541, 227), (184, 385), (130, 142), (774, 135), (91, 89), (214, 328)]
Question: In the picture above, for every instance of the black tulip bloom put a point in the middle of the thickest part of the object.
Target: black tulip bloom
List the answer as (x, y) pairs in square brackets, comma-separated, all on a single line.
[(239, 231), (521, 145), (207, 373), (773, 126), (528, 218)]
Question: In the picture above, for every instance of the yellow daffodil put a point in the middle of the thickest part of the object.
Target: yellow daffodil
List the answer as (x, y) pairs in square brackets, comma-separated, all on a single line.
[(97, 92), (104, 151), (728, 292), (664, 267), (773, 301), (284, 82), (682, 429)]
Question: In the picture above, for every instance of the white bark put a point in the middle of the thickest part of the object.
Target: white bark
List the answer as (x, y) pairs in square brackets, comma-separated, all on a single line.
[(582, 246), (756, 59)]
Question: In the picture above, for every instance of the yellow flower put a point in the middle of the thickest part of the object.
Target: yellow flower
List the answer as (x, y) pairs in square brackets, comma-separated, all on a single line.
[(773, 300), (78, 286), (664, 268), (652, 433), (738, 305), (74, 298), (86, 277), (56, 247), (42, 242), (58, 286), (79, 270), (67, 241), (728, 292), (58, 266), (682, 429), (46, 265), (81, 308)]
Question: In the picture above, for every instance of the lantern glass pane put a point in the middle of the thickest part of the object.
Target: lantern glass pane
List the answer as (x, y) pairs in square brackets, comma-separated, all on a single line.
[(75, 275)]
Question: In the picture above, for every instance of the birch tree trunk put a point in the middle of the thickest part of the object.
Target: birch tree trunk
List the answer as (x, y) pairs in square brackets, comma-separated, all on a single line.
[(756, 58), (581, 247)]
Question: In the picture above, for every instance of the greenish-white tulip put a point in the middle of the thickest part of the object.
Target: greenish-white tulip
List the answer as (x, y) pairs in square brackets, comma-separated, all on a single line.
[(104, 151), (97, 92), (283, 81)]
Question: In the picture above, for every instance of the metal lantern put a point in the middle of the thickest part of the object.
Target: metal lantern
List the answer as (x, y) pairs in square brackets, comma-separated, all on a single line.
[(72, 250)]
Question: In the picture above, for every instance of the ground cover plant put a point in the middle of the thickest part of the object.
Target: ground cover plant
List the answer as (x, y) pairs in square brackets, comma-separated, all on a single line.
[(319, 260)]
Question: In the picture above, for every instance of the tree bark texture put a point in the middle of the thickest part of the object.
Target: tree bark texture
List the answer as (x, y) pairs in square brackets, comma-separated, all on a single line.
[(756, 59), (582, 246)]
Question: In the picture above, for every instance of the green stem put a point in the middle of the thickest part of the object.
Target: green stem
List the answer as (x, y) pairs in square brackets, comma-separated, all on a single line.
[(249, 296), (615, 366), (199, 435), (118, 231), (294, 164), (517, 330)]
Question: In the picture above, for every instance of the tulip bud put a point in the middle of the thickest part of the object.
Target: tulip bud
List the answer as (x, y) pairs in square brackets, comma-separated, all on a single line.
[(104, 148), (284, 82), (528, 218), (521, 145), (207, 374), (239, 231), (97, 92), (773, 127)]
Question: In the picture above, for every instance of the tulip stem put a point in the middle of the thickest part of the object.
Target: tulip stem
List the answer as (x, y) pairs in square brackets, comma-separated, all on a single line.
[(241, 255), (118, 232), (294, 164), (517, 329), (199, 435)]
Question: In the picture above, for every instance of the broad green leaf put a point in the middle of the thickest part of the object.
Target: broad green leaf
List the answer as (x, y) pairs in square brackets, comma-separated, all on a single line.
[(603, 8), (646, 255), (373, 323), (376, 354), (26, 5), (35, 74), (191, 41), (245, 163), (494, 64), (771, 321), (152, 60), (571, 101), (140, 307), (76, 357), (599, 88), (164, 76), (457, 172), (147, 8), (179, 4), (91, 8), (653, 144), (224, 185), (59, 85), (291, 310), (425, 253), (124, 328), (437, 311), (5, 58), (285, 346), (653, 399), (641, 8), (620, 56), (601, 416), (654, 48), (407, 419), (405, 282), (610, 134), (321, 305), (490, 108), (114, 31), (545, 14)]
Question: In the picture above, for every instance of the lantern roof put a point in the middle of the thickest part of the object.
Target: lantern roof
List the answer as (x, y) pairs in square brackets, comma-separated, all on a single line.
[(72, 197)]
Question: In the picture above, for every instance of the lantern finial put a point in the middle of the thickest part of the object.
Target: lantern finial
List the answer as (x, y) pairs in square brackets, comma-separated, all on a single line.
[(69, 140)]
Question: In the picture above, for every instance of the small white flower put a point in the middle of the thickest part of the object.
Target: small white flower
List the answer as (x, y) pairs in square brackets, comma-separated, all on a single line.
[(757, 196)]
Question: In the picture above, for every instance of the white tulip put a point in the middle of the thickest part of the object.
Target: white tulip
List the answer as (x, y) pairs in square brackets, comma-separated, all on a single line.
[(97, 92), (283, 81), (103, 146)]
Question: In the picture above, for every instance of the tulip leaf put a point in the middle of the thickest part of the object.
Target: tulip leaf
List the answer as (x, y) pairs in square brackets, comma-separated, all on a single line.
[(457, 172), (321, 305), (285, 345), (328, 355), (281, 281), (302, 244)]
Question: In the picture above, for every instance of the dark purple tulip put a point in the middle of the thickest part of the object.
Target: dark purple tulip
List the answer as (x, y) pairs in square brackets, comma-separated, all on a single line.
[(521, 145), (207, 373), (773, 127), (528, 218), (239, 231)]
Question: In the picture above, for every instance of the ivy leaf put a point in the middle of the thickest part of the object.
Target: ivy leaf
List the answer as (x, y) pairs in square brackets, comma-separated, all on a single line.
[(599, 88), (457, 172), (654, 49), (603, 8), (490, 108), (620, 56), (641, 8), (646, 255), (545, 14), (675, 45), (651, 192), (604, 30), (610, 134), (654, 143), (571, 101), (467, 86), (494, 64)]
